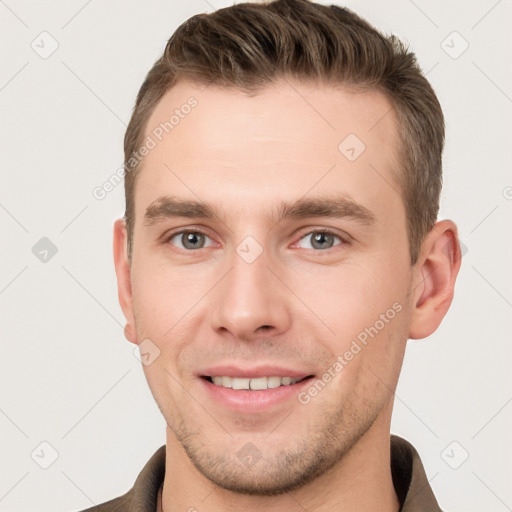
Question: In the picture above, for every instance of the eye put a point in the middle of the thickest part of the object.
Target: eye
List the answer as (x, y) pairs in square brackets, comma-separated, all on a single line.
[(321, 240), (190, 240)]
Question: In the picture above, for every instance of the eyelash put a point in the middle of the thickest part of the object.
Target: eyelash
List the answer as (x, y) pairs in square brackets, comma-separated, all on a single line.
[(344, 239)]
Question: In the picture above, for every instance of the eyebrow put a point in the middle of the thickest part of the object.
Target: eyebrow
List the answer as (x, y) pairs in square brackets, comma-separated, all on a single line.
[(166, 207)]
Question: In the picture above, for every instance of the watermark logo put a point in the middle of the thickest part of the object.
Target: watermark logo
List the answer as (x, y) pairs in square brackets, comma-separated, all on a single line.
[(454, 45), (146, 352), (249, 455), (249, 249), (44, 455), (44, 250), (455, 455), (45, 45), (351, 147)]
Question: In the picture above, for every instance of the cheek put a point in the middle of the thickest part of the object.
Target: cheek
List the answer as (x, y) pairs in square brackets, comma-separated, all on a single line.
[(167, 307), (350, 298), (364, 318), (163, 295), (367, 364)]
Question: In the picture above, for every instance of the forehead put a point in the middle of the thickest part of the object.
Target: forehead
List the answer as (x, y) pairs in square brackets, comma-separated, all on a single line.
[(285, 140)]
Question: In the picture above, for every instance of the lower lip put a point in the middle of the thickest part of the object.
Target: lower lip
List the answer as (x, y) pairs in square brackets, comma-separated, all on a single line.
[(244, 400)]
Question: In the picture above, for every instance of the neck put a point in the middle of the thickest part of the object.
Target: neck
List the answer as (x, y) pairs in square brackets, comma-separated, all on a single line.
[(360, 481)]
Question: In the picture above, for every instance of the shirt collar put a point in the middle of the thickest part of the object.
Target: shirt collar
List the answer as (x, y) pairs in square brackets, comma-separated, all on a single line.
[(409, 479)]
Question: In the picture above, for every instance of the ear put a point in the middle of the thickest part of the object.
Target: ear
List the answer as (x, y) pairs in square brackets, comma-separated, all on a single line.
[(435, 275), (124, 284)]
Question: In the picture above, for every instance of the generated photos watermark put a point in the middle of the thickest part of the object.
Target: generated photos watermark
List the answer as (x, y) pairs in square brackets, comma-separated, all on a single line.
[(342, 360), (151, 141)]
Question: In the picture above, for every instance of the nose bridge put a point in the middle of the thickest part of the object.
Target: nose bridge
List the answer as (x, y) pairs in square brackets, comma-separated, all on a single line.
[(249, 296)]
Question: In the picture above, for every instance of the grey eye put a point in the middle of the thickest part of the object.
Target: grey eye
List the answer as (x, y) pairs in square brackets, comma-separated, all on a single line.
[(319, 240), (190, 240)]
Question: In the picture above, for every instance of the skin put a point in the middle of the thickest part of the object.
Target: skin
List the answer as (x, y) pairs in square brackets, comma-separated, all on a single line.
[(296, 305)]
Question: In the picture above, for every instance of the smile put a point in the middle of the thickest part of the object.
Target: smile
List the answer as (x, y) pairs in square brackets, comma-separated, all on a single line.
[(253, 384)]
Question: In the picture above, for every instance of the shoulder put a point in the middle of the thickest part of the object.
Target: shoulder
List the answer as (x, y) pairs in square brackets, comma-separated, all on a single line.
[(143, 495), (121, 504), (409, 478)]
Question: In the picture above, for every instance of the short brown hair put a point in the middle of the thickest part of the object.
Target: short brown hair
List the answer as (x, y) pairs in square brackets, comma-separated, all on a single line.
[(250, 45)]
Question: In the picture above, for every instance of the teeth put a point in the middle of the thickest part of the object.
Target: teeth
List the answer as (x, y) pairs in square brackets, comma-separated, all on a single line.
[(237, 383), (273, 382), (259, 383), (256, 384)]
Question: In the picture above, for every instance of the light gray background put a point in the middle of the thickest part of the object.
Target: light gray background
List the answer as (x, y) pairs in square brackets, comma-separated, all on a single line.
[(67, 375)]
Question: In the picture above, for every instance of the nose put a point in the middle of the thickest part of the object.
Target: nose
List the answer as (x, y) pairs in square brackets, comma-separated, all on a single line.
[(250, 301)]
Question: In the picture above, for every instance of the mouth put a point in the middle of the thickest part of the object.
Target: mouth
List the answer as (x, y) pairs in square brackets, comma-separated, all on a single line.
[(255, 383), (257, 390)]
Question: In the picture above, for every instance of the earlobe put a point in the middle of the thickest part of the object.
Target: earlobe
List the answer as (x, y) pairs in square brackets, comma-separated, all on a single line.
[(124, 286), (437, 270), (130, 334)]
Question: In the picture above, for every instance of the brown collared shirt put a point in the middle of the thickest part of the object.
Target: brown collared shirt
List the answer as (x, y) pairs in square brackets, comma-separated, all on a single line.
[(409, 478)]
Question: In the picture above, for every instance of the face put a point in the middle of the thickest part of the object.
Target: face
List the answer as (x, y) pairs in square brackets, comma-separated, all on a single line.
[(270, 252)]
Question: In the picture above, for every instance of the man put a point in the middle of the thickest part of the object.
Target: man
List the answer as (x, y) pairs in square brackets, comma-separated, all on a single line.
[(279, 247)]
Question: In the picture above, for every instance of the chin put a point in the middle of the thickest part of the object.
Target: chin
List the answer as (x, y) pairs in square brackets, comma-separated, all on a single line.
[(282, 474), (249, 471)]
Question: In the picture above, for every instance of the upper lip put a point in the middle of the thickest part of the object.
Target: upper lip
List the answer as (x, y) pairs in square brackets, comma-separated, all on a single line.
[(253, 372)]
